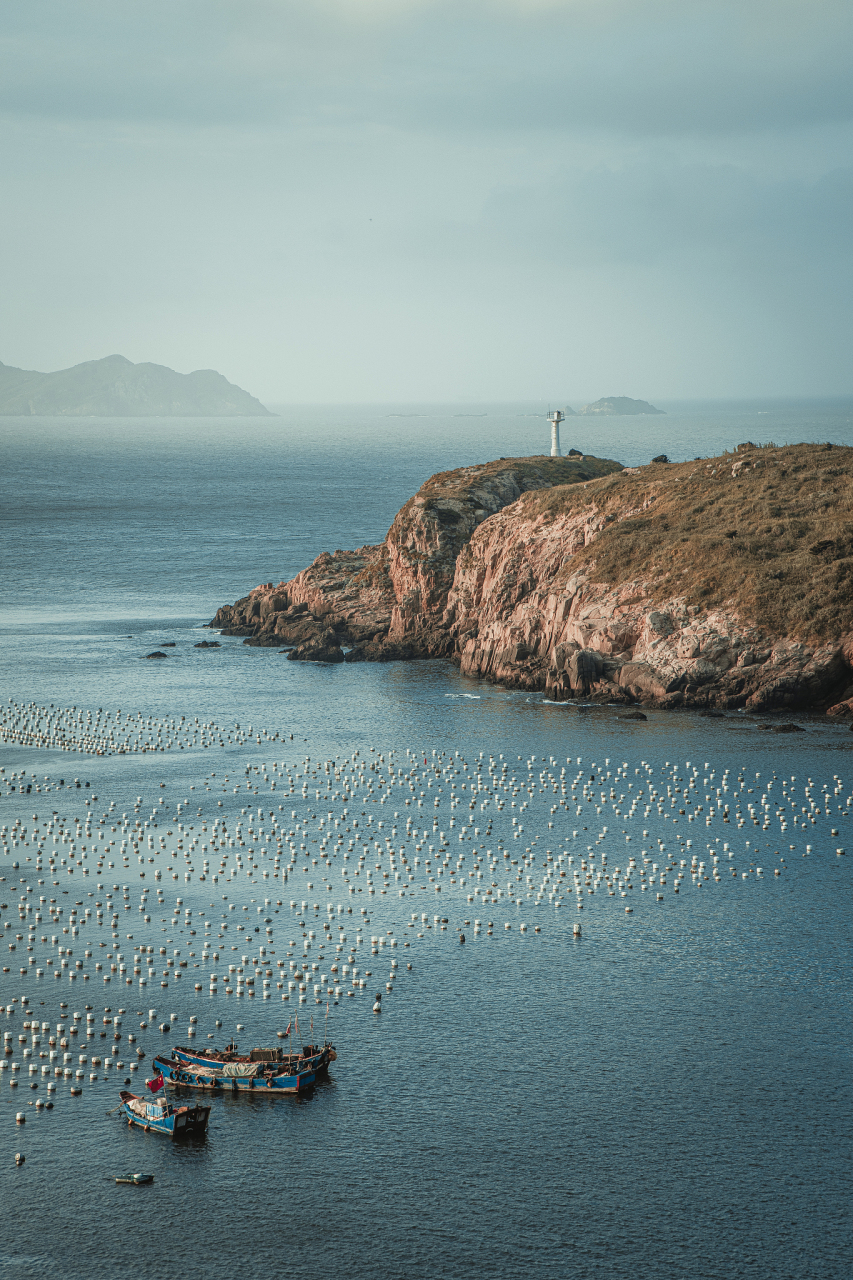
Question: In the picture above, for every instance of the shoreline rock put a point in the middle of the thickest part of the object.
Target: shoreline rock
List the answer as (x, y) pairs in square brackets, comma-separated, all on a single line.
[(573, 577)]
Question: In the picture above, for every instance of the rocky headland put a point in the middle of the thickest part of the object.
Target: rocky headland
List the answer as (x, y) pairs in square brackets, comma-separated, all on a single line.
[(116, 388), (719, 583)]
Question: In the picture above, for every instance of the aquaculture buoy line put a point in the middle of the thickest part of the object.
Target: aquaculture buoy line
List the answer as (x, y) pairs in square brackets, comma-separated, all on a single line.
[(107, 733), (302, 883), (416, 853)]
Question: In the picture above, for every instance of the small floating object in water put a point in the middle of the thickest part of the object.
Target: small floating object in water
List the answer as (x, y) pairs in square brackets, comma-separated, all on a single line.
[(576, 931), (135, 1179), (19, 1158), (21, 1118)]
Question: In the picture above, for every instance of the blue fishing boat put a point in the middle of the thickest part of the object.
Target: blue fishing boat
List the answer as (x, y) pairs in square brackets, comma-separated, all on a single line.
[(315, 1058), (160, 1116), (235, 1077)]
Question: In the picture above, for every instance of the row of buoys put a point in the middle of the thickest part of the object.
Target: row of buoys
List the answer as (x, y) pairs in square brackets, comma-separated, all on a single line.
[(106, 733), (260, 841)]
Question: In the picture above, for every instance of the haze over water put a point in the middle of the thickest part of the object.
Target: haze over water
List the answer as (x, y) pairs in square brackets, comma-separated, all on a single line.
[(667, 1097)]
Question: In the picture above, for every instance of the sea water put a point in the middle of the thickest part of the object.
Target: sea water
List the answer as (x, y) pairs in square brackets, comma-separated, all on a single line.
[(668, 1096)]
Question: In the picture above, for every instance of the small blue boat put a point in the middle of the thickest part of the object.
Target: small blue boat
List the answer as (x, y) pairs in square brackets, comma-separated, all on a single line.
[(160, 1116), (254, 1077)]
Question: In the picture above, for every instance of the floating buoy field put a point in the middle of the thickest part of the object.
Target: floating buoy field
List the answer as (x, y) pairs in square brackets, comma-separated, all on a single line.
[(285, 884)]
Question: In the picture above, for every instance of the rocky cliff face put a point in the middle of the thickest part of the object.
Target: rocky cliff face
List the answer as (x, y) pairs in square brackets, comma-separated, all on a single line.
[(720, 583), (388, 601)]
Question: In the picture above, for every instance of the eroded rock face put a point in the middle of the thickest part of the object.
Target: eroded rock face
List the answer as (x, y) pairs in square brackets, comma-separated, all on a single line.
[(345, 598), (387, 602), (432, 528), (520, 616), (492, 567)]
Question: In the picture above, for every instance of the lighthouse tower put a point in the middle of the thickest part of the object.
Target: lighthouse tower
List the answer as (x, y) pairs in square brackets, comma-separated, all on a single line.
[(555, 419)]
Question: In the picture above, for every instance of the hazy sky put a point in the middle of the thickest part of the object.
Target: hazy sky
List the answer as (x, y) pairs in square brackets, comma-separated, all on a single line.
[(367, 200)]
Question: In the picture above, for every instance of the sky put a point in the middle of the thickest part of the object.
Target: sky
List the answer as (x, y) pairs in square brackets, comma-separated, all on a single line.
[(353, 201)]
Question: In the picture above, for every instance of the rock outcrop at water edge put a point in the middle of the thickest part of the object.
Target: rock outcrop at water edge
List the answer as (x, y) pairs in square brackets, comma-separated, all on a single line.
[(720, 583)]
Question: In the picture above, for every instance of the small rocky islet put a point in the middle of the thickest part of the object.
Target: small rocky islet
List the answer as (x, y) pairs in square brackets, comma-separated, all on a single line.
[(719, 583)]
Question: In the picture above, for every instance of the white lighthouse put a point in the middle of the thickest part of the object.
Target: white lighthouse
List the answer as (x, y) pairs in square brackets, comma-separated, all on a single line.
[(555, 419)]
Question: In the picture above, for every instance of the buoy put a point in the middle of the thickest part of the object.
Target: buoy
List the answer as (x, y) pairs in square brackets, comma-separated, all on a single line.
[(20, 1118), (19, 1158), (576, 931)]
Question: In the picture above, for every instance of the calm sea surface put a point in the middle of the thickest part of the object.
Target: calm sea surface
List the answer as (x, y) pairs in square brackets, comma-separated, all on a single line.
[(667, 1097)]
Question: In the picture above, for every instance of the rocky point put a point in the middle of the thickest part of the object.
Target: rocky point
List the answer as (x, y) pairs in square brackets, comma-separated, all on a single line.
[(719, 583)]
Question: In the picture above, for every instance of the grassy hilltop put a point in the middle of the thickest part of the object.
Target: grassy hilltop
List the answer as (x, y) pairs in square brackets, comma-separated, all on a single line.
[(766, 531)]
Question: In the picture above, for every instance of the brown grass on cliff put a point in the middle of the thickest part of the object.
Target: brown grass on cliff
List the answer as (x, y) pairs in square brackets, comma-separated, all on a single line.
[(774, 542), (537, 470)]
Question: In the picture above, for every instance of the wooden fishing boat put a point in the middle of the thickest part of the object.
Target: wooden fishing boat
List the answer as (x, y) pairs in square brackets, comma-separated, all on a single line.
[(315, 1058), (160, 1116), (235, 1077)]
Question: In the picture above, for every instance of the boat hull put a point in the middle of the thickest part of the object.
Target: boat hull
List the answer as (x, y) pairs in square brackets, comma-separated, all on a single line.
[(174, 1122), (316, 1062), (191, 1075)]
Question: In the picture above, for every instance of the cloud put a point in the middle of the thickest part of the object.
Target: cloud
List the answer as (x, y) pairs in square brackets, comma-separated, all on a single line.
[(663, 209), (366, 198), (658, 67)]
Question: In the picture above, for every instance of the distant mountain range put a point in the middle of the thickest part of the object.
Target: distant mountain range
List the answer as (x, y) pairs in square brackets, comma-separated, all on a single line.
[(116, 388), (615, 406)]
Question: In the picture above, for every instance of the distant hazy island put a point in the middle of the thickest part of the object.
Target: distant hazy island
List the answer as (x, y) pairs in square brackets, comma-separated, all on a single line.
[(623, 406), (116, 388)]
